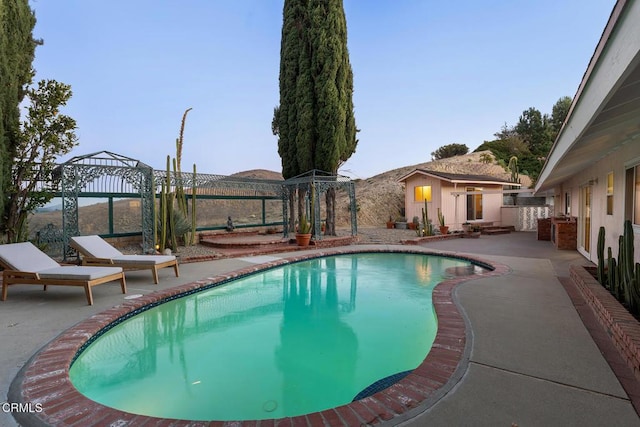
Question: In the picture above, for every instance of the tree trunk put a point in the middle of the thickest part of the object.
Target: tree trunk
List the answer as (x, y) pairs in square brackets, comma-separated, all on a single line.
[(292, 212), (301, 205), (330, 198)]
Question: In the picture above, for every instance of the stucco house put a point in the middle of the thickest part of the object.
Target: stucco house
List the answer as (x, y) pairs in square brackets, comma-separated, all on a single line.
[(481, 201), (593, 169)]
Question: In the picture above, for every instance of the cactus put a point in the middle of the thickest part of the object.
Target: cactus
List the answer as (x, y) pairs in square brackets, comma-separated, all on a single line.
[(627, 266), (192, 239), (425, 220), (180, 196), (514, 170), (173, 223), (171, 240), (612, 275), (627, 272), (440, 218), (622, 291), (601, 275), (162, 238)]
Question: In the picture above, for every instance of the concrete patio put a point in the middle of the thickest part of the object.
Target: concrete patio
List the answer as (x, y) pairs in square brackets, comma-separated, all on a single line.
[(532, 360)]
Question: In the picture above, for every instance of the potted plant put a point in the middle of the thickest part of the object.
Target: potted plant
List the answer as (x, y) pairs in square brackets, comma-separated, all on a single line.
[(390, 223), (466, 226), (303, 236), (415, 223), (401, 223), (443, 228)]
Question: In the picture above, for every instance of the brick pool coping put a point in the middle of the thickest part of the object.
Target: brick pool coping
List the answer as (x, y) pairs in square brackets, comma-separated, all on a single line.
[(44, 380)]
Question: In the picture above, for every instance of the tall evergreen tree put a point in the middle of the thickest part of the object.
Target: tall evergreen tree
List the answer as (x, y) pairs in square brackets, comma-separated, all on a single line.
[(535, 130), (285, 117), (559, 113), (17, 50), (314, 122)]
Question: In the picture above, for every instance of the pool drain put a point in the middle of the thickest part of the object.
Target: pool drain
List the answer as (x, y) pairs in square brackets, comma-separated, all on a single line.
[(269, 405)]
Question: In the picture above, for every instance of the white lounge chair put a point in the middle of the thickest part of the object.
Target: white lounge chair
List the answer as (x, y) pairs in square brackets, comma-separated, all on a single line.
[(25, 264), (96, 251)]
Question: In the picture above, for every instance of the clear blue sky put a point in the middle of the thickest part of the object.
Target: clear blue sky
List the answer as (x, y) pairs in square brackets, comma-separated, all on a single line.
[(426, 74)]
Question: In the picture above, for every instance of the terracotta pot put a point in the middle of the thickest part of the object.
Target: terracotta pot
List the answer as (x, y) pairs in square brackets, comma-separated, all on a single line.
[(303, 239), (444, 229), (390, 224)]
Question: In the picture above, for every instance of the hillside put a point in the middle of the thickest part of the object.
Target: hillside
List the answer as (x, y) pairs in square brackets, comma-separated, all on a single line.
[(259, 174), (382, 195), (377, 198)]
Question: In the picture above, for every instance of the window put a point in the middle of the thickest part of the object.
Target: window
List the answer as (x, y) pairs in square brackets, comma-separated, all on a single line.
[(632, 195), (422, 193), (610, 193), (474, 204)]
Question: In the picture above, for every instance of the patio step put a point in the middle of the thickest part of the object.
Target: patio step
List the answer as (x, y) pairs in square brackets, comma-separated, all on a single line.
[(494, 229)]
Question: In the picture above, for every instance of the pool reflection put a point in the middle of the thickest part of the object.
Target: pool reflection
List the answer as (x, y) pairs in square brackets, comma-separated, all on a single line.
[(310, 331)]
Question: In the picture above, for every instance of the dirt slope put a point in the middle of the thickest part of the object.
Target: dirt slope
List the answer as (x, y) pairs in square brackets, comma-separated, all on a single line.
[(382, 195)]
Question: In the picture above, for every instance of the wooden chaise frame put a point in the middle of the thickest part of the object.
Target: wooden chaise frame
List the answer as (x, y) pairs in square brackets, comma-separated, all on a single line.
[(117, 259), (108, 262), (12, 277)]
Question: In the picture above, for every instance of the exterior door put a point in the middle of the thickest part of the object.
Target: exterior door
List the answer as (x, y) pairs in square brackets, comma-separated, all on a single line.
[(474, 204), (585, 219)]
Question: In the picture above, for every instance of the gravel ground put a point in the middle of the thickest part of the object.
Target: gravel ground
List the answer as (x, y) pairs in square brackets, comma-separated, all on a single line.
[(385, 236)]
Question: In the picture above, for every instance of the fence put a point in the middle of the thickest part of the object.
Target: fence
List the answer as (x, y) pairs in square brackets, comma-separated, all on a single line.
[(524, 218)]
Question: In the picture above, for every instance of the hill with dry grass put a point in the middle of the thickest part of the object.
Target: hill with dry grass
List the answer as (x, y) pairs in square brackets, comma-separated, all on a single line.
[(382, 195), (378, 198)]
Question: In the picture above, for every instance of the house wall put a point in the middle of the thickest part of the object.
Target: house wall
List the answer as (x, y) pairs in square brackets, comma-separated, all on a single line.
[(616, 162), (455, 212), (413, 208)]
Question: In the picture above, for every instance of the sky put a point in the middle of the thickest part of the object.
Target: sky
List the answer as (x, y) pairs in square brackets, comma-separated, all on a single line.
[(426, 74)]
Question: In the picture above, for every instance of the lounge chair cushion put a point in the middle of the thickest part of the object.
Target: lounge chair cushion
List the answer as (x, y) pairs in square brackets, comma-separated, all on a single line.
[(143, 259), (26, 257), (96, 247), (78, 272)]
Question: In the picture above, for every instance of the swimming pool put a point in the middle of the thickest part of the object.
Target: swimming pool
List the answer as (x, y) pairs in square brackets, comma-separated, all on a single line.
[(287, 341), (45, 377)]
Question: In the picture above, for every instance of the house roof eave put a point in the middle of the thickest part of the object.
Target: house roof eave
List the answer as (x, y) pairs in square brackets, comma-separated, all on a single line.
[(457, 178), (603, 114)]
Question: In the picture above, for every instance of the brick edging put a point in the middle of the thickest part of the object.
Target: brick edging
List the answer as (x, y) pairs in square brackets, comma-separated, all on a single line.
[(620, 325), (418, 240)]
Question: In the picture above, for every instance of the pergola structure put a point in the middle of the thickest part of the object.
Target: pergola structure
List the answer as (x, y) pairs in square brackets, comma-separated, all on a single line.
[(314, 184), (108, 174), (103, 173)]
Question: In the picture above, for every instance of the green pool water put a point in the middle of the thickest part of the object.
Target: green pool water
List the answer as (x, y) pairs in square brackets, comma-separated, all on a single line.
[(282, 342)]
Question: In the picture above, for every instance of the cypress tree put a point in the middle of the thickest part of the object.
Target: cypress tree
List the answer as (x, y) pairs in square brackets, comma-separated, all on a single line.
[(17, 50), (315, 123), (285, 121)]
